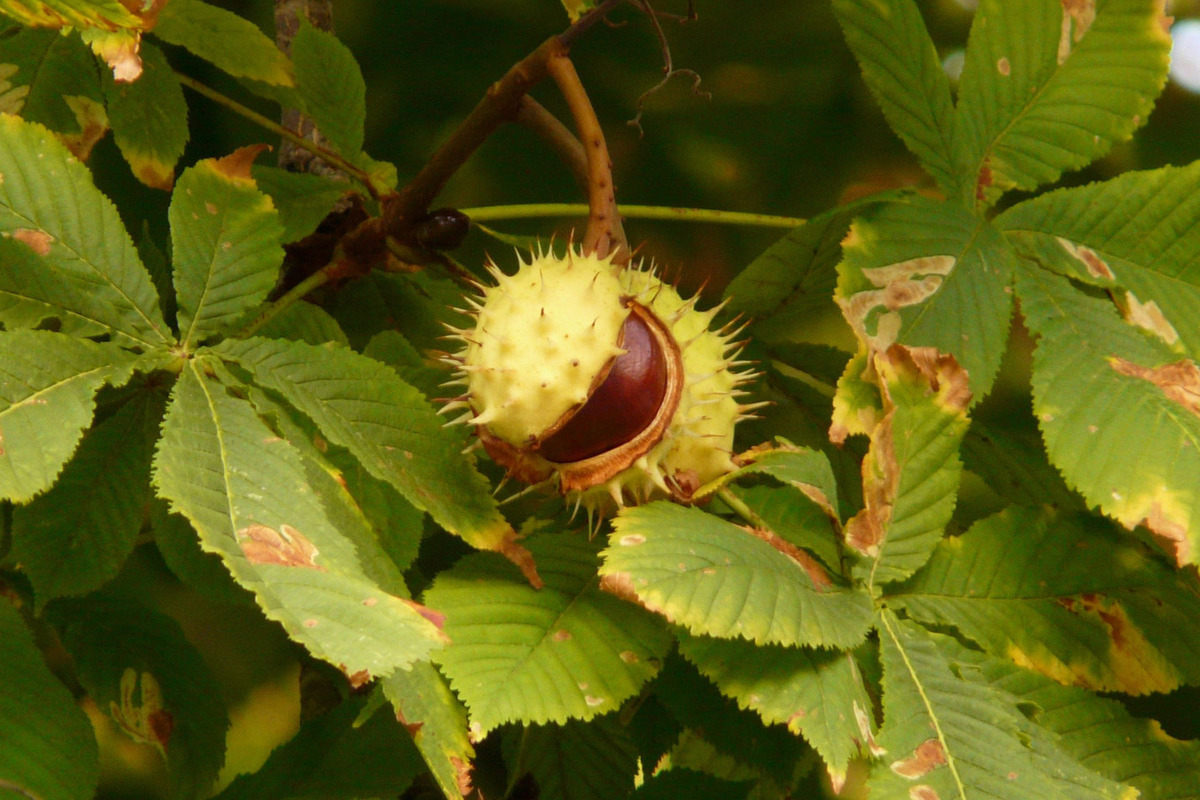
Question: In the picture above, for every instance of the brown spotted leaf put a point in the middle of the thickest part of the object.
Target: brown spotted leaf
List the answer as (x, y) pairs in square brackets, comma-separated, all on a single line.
[(912, 469), (246, 492), (1118, 410), (1051, 85), (1066, 595), (928, 274), (953, 739), (1130, 234)]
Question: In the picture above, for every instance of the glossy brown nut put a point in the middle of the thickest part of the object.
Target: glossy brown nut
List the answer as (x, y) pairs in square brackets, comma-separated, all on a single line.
[(621, 407)]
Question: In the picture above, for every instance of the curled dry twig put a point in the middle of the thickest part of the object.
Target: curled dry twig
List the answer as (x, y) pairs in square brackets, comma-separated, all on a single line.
[(669, 69)]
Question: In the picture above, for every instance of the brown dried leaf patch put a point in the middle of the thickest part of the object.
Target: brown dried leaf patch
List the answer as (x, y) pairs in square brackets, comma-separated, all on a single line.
[(1179, 381), (286, 547), (929, 755), (816, 573)]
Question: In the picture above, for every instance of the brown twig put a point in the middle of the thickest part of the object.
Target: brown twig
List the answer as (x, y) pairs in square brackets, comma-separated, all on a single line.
[(558, 137), (570, 150), (603, 234)]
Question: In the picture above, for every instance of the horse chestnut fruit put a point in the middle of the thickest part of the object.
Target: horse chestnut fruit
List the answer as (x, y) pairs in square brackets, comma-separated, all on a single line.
[(599, 378)]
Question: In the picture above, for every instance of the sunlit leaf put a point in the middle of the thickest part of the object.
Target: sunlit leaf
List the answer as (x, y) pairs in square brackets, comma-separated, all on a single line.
[(49, 203), (1065, 595), (929, 274), (107, 14), (75, 537), (818, 694), (575, 761), (1098, 732), (716, 578), (565, 651), (1050, 86), (47, 748), (273, 534), (912, 470), (332, 86), (1116, 409), (139, 669), (48, 383), (959, 739), (304, 322), (225, 237), (389, 426), (1131, 232), (229, 41), (902, 69), (149, 119), (437, 723)]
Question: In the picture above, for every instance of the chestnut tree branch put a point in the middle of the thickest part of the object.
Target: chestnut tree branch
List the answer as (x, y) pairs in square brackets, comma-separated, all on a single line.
[(604, 234)]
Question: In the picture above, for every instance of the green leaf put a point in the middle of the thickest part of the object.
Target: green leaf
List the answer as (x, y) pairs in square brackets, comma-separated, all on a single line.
[(337, 758), (48, 383), (52, 79), (149, 119), (329, 80), (1115, 410), (722, 739), (960, 739), (225, 237), (803, 468), (575, 761), (716, 578), (303, 199), (32, 292), (929, 274), (438, 723), (1097, 732), (414, 305), (1126, 232), (106, 14), (246, 492), (565, 651), (577, 8), (818, 694), (304, 322), (364, 406), (911, 471), (797, 520), (47, 748), (1066, 595), (903, 71), (233, 43), (1048, 87), (75, 537), (138, 667), (48, 202)]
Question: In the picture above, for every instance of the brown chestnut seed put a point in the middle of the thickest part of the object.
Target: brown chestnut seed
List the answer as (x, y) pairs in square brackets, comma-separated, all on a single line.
[(624, 404), (531, 465)]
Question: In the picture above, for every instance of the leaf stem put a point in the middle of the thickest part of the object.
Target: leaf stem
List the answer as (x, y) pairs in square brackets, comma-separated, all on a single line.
[(604, 233), (318, 278), (740, 508), (274, 127), (670, 213)]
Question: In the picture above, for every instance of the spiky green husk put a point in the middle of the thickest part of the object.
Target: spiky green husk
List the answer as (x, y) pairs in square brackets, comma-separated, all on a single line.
[(543, 335)]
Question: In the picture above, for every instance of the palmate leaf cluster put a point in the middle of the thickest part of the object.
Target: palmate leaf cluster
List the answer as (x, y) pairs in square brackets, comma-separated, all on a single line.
[(826, 606)]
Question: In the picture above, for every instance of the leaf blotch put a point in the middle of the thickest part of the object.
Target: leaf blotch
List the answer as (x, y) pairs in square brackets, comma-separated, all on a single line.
[(236, 165), (904, 283), (1150, 317), (1077, 18), (1096, 266), (286, 547), (1003, 66), (1179, 380), (929, 755), (923, 791), (37, 241)]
